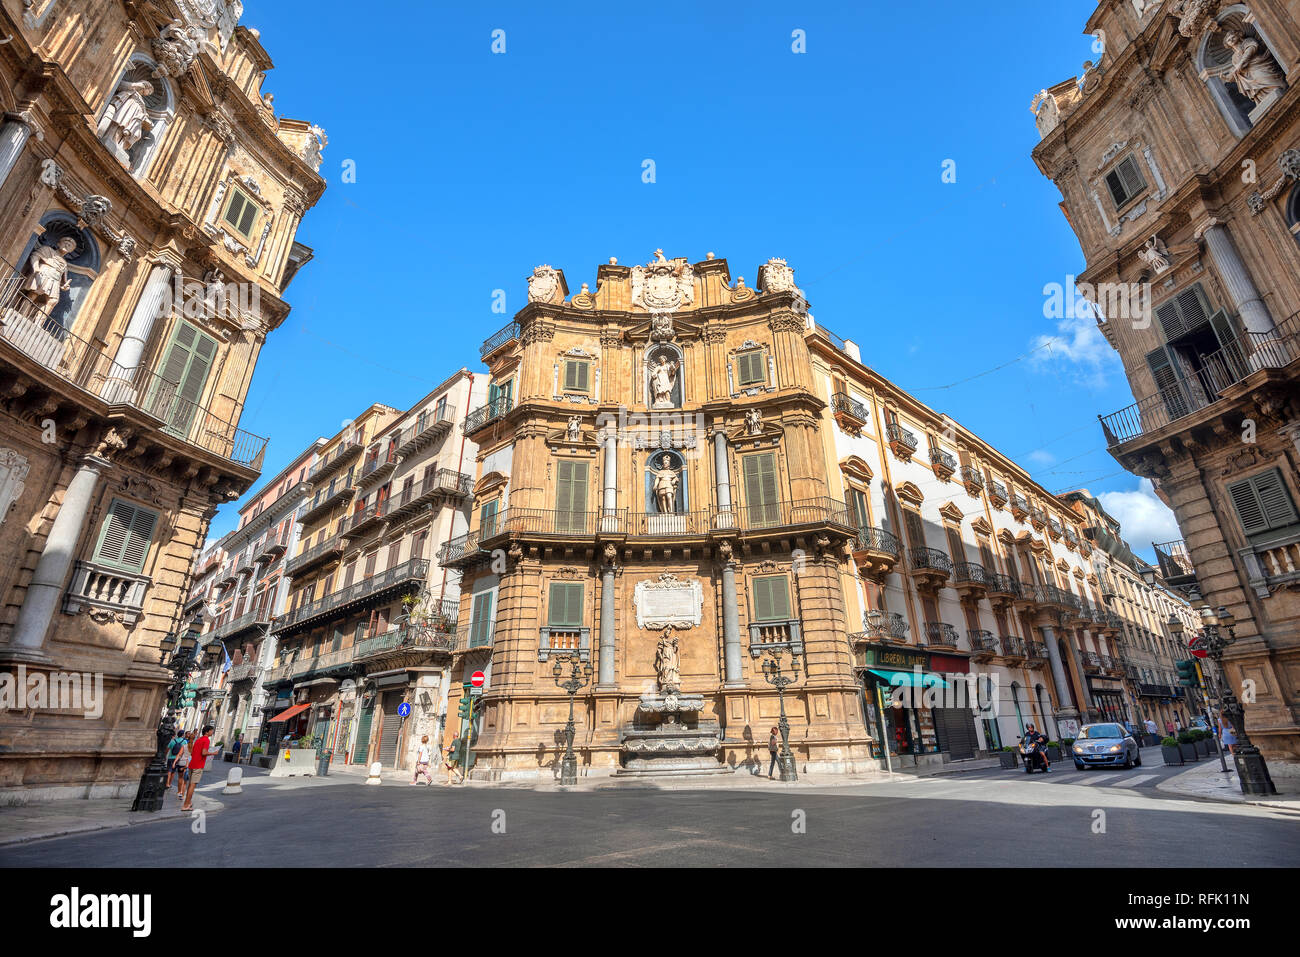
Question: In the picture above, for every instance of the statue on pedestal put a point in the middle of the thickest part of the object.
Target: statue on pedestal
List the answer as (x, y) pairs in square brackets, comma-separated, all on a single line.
[(663, 377), (665, 488), (1253, 68), (666, 662), (127, 119), (47, 276)]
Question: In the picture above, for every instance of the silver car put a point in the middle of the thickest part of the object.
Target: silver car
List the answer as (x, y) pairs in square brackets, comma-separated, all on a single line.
[(1105, 745)]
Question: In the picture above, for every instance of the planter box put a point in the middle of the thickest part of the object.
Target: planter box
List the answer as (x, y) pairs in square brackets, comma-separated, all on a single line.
[(1188, 751), (1053, 753), (1009, 759), (1203, 748), (1172, 755), (1150, 740)]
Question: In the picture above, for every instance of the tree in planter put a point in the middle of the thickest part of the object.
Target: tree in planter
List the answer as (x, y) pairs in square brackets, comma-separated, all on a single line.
[(1170, 751)]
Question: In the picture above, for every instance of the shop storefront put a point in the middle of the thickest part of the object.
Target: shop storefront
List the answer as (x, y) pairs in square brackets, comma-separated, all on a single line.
[(912, 706), (1107, 699)]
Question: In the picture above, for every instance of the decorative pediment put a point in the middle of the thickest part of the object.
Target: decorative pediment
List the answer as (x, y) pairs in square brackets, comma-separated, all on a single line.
[(490, 481), (1062, 565), (1006, 537), (756, 433), (909, 492), (856, 467), (951, 512), (982, 526), (1077, 573)]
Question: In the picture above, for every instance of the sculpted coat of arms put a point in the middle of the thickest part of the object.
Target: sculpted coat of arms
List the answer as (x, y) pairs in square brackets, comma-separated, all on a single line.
[(544, 285), (663, 285)]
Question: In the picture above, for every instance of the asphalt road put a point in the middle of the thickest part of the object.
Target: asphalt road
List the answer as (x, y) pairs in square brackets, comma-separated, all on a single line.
[(986, 818)]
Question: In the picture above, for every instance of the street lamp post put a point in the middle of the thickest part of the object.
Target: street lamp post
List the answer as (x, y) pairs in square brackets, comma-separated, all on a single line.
[(1252, 769), (772, 672), (579, 677), (178, 658)]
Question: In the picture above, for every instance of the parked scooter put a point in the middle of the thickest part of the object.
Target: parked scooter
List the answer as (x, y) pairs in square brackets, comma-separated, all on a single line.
[(1034, 756)]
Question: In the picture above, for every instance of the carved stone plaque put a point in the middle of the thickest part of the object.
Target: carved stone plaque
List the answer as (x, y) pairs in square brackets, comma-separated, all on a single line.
[(668, 602)]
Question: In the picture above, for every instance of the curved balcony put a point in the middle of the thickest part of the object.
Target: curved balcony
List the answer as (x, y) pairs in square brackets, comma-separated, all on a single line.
[(1037, 518), (970, 579), (984, 645), (973, 479), (1035, 654), (805, 512), (508, 333), (1019, 507), (486, 415), (943, 464), (1091, 662), (997, 493), (901, 442), (1002, 589), (929, 567), (881, 626), (460, 550), (851, 414), (1011, 650), (940, 635), (875, 552)]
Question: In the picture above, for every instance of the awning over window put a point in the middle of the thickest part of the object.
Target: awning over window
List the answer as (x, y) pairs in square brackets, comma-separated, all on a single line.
[(909, 679), (289, 713)]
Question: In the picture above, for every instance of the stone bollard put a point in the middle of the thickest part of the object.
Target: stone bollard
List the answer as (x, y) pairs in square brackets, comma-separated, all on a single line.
[(234, 782), (374, 777)]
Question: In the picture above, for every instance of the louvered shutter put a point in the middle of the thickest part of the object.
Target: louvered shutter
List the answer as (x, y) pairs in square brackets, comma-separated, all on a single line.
[(1116, 187), (1131, 175), (771, 598), (1250, 512), (571, 495), (481, 625), (125, 536), (565, 607), (575, 376), (487, 519), (185, 369), (751, 368), (915, 530), (1279, 511), (760, 488)]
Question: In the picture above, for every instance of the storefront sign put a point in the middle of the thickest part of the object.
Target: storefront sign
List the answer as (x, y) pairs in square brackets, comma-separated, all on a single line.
[(895, 659)]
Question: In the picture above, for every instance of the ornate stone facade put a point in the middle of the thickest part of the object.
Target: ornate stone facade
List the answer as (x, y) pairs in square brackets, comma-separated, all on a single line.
[(1200, 203), (119, 411)]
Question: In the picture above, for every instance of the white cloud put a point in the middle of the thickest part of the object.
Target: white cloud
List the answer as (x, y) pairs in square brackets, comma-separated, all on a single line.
[(1142, 517), (1041, 457), (1078, 348)]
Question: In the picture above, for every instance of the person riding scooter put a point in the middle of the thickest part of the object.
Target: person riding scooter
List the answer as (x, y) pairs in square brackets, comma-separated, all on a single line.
[(1035, 738)]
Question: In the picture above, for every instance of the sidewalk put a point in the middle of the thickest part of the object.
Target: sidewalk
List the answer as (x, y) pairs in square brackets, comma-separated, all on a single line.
[(1207, 780), (25, 823)]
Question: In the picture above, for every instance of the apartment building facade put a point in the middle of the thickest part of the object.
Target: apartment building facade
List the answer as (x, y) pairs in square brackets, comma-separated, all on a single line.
[(1178, 159), (962, 567), (371, 618), (149, 203)]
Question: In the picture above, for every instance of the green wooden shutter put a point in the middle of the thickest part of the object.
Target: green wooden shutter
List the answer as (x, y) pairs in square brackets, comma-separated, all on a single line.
[(565, 606), (189, 360), (1262, 503), (480, 631), (125, 536), (761, 488), (771, 598), (487, 519), (575, 376), (751, 367), (571, 496)]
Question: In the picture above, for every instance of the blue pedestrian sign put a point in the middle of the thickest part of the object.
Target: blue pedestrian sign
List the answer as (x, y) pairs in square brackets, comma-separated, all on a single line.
[(404, 710)]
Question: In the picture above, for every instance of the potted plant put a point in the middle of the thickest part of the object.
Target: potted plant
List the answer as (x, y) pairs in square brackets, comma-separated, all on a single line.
[(1204, 744), (1008, 757), (1053, 750), (1170, 751), (1187, 745)]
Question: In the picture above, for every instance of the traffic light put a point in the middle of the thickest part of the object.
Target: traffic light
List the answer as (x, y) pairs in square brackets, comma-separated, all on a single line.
[(466, 708), (1187, 676)]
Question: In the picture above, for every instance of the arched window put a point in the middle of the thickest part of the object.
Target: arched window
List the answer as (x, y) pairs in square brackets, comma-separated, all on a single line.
[(1015, 700), (1214, 61), (52, 307), (137, 115)]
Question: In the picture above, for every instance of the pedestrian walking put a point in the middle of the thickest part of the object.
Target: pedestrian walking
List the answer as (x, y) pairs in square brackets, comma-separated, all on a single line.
[(1227, 736), (182, 764), (773, 742), (452, 761), (199, 752), (1151, 727), (422, 762), (174, 747)]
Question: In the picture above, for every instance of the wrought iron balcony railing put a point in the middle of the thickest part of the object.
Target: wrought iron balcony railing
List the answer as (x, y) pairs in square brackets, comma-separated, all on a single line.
[(428, 426), (871, 539), (1175, 564), (983, 643), (845, 404), (944, 461), (940, 634), (930, 559), (884, 625), (344, 452), (498, 339), (972, 478), (998, 492), (484, 415), (899, 436), (969, 573), (412, 571), (28, 330)]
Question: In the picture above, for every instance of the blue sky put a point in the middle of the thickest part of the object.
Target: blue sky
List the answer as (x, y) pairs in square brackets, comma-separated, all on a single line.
[(473, 167)]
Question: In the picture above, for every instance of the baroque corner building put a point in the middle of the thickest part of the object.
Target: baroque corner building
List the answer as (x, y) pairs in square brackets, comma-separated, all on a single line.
[(1178, 158), (149, 201), (651, 495)]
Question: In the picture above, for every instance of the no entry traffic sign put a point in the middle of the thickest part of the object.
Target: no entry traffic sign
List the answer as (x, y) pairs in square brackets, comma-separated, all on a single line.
[(477, 679)]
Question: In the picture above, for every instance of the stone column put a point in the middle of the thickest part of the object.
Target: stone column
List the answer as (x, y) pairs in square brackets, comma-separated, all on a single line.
[(42, 598), (722, 474), (1059, 676), (14, 134), (611, 470), (730, 626), (119, 386), (606, 653), (1246, 299)]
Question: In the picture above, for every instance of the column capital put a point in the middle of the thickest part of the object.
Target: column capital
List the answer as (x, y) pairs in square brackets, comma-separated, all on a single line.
[(24, 118), (1207, 224)]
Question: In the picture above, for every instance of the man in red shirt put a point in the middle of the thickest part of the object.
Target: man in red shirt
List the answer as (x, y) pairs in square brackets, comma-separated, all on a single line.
[(198, 761)]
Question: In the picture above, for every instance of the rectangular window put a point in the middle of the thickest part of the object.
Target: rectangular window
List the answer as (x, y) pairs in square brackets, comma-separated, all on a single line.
[(241, 212), (125, 536), (1125, 182), (771, 598), (440, 410), (915, 528), (1263, 503), (860, 513), (955, 544), (565, 607), (750, 368), (370, 563), (761, 499), (487, 518), (480, 629), (577, 375), (571, 496), (177, 391)]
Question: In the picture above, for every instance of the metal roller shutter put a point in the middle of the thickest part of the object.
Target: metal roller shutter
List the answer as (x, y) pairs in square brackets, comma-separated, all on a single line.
[(391, 727), (955, 729)]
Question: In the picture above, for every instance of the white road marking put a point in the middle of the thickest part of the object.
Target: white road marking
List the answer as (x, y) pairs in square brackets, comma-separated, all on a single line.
[(1135, 780)]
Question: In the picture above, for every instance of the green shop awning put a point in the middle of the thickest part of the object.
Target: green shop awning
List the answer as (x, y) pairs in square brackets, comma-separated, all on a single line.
[(909, 679)]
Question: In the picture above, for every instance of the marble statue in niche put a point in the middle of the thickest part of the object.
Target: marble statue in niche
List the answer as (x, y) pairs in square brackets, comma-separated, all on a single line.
[(127, 119), (663, 380), (1253, 68), (667, 662), (666, 483), (47, 277)]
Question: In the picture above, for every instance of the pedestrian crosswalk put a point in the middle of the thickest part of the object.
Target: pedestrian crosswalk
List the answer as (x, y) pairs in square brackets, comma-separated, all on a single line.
[(1102, 779)]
